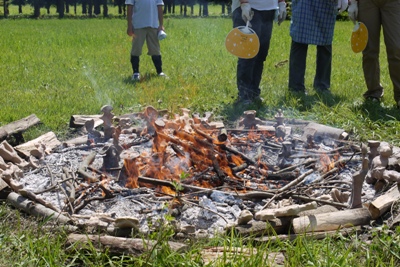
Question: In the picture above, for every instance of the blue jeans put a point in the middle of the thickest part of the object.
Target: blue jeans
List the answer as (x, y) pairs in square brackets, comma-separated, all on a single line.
[(249, 71), (297, 67)]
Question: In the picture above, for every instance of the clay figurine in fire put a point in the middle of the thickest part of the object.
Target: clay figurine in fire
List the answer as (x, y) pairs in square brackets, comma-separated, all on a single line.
[(93, 135), (125, 124), (280, 125), (358, 180), (379, 164), (107, 118), (250, 121)]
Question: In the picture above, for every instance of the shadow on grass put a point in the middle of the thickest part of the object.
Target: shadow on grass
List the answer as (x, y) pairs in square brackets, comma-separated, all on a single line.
[(377, 111), (299, 101), (304, 102), (143, 78)]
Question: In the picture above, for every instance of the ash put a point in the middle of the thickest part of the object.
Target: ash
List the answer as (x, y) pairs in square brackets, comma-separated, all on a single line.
[(132, 176)]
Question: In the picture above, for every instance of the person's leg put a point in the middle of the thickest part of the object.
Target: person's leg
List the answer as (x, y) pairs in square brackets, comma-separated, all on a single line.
[(370, 15), (322, 79), (157, 63), (135, 63), (244, 68), (137, 45), (154, 50), (297, 66), (391, 32), (262, 25)]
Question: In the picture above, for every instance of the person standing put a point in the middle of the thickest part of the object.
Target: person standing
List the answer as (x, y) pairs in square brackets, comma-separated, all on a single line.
[(145, 21), (312, 23), (261, 13), (377, 14)]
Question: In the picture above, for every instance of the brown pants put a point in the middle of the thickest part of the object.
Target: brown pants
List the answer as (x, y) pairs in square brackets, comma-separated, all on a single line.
[(377, 14)]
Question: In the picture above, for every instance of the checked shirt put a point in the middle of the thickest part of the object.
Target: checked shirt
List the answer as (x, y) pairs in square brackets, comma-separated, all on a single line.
[(313, 21)]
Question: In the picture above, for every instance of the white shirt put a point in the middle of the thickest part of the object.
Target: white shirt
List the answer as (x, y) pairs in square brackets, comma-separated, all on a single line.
[(145, 13), (258, 4)]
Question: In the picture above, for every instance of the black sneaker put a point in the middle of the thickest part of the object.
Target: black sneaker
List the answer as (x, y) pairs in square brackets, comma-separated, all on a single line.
[(373, 99), (298, 91)]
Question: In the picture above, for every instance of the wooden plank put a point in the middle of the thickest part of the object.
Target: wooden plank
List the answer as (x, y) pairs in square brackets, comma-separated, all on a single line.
[(18, 126)]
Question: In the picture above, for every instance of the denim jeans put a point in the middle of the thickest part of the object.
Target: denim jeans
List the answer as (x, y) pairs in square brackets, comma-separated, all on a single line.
[(249, 71), (297, 67)]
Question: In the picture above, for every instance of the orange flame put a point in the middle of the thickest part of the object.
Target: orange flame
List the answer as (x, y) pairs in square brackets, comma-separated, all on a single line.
[(132, 171), (326, 163)]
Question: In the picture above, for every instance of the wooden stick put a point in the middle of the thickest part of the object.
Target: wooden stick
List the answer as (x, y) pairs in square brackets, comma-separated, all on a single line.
[(236, 152), (52, 187), (84, 165), (292, 183), (306, 162), (331, 221), (120, 245), (35, 209), (32, 196)]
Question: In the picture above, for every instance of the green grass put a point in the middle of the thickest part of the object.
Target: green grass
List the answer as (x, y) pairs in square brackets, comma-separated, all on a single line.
[(57, 68), (28, 242)]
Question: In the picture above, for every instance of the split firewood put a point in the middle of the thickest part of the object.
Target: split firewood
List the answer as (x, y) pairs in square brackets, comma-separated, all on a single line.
[(120, 245), (287, 211), (8, 153), (4, 189), (48, 139), (77, 121), (331, 221), (16, 127), (383, 203), (80, 140), (36, 209)]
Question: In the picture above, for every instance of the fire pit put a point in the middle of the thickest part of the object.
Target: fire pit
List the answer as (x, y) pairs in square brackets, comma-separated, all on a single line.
[(139, 171)]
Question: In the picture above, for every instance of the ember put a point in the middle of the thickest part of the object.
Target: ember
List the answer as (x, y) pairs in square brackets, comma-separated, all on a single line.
[(146, 165)]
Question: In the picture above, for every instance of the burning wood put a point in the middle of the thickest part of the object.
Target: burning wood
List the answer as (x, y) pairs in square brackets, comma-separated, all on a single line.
[(148, 161)]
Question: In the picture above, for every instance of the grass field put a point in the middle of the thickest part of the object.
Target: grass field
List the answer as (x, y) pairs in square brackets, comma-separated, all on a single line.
[(57, 68)]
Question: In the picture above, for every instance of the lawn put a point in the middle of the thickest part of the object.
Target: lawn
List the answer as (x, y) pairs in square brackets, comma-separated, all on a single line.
[(57, 68)]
